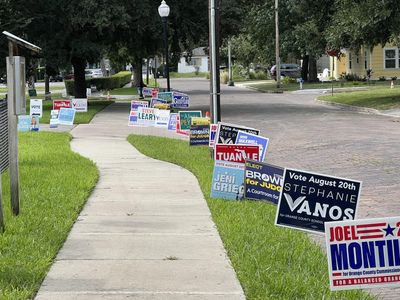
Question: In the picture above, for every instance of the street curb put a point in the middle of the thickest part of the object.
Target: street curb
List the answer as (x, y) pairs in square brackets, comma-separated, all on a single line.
[(262, 91), (366, 110)]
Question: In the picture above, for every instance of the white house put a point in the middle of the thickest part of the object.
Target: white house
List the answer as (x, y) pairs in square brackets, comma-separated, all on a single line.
[(197, 62)]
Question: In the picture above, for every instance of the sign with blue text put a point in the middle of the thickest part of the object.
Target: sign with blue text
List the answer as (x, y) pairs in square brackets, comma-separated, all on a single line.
[(162, 117), (180, 100), (66, 116), (138, 103), (36, 107), (172, 121), (199, 135), (54, 118), (263, 181), (157, 101), (363, 253), (80, 104), (228, 180), (308, 200), (253, 139), (227, 133), (213, 133)]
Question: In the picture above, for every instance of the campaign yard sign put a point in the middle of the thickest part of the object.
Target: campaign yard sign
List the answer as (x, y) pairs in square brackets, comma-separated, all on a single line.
[(228, 180), (236, 153), (80, 104), (199, 135), (162, 117), (54, 118), (172, 121), (57, 104), (147, 92), (138, 103), (200, 121), (66, 116), (133, 118), (28, 123), (308, 200), (180, 100), (185, 118), (36, 107), (253, 139), (178, 127), (146, 116), (262, 181), (227, 133), (213, 133), (157, 101), (167, 96), (363, 253)]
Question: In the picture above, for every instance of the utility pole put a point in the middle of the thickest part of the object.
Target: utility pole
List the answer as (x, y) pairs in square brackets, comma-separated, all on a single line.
[(277, 54), (214, 78)]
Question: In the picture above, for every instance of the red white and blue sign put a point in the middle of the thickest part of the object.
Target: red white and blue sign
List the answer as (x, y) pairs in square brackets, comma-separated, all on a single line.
[(363, 253), (308, 200), (236, 153)]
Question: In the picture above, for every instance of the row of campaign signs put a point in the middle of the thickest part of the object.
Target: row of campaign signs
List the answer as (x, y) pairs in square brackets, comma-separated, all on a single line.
[(361, 253), (63, 113)]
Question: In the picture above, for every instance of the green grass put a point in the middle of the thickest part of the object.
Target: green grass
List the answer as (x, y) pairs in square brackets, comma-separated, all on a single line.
[(187, 75), (130, 91), (94, 106), (39, 89), (383, 98), (53, 189), (271, 262), (270, 86)]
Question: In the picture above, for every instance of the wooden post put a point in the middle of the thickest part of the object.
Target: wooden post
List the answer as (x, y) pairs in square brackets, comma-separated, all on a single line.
[(13, 130)]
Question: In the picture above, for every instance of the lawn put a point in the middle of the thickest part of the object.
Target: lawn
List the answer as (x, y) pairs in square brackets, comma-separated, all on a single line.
[(382, 98), (54, 189), (130, 91), (187, 75), (270, 86), (271, 262), (94, 106)]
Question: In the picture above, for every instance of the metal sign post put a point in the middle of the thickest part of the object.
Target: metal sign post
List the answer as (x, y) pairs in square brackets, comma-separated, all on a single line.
[(16, 105)]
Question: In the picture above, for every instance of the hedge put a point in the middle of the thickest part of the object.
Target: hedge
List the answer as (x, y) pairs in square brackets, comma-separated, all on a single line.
[(103, 83)]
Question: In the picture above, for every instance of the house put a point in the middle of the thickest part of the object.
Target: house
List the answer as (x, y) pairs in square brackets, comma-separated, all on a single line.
[(383, 61), (197, 61)]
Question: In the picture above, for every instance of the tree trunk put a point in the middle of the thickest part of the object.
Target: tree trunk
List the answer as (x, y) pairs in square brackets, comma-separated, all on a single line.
[(312, 70), (137, 74), (304, 68), (79, 77), (47, 94)]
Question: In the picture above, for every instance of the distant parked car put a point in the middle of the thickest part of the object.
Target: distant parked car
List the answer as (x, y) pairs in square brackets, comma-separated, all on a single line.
[(69, 77), (287, 70), (56, 78), (3, 79), (93, 73)]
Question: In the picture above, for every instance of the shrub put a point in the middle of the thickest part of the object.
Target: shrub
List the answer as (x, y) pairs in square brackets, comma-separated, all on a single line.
[(382, 78), (287, 80), (351, 77), (103, 83)]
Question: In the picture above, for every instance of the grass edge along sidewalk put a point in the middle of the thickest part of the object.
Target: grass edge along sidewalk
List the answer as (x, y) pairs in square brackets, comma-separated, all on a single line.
[(381, 99), (271, 262), (55, 184)]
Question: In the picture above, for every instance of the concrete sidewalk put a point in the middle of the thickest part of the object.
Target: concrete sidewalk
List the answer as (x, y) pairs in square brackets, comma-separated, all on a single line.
[(145, 232)]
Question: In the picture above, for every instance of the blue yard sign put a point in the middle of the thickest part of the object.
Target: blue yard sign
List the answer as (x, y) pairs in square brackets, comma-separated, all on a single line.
[(66, 116)]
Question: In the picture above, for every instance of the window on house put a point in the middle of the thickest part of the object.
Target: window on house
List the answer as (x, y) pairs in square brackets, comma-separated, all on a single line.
[(350, 60), (390, 58)]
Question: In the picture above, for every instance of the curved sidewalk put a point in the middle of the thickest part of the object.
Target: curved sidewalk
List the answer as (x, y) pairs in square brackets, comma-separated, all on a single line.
[(145, 232)]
